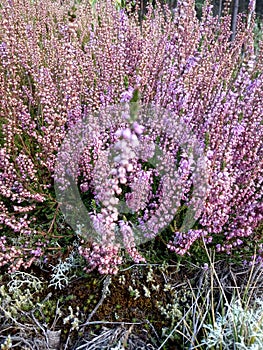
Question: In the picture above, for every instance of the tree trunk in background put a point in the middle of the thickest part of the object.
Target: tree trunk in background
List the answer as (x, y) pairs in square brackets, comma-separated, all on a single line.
[(251, 11), (259, 8), (234, 19), (220, 8)]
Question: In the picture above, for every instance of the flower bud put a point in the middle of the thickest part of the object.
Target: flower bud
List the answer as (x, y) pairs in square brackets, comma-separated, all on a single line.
[(126, 134)]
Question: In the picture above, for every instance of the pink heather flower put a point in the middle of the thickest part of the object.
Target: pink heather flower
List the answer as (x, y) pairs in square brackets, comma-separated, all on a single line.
[(126, 96), (126, 134), (138, 129)]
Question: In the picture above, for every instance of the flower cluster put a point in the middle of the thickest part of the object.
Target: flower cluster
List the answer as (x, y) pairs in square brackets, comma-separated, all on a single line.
[(202, 91)]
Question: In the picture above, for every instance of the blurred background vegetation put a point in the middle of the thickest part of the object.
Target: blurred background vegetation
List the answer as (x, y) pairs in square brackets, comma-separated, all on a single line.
[(217, 4)]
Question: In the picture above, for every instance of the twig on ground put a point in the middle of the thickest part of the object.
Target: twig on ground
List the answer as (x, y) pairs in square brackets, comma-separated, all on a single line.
[(104, 295)]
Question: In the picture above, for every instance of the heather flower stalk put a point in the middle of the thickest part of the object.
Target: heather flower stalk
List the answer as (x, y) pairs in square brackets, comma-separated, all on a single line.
[(57, 69)]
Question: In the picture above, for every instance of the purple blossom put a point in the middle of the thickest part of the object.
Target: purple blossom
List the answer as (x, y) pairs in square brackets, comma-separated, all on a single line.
[(54, 74), (126, 96)]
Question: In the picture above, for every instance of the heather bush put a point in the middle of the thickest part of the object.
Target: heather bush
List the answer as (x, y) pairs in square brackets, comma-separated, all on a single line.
[(62, 64)]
